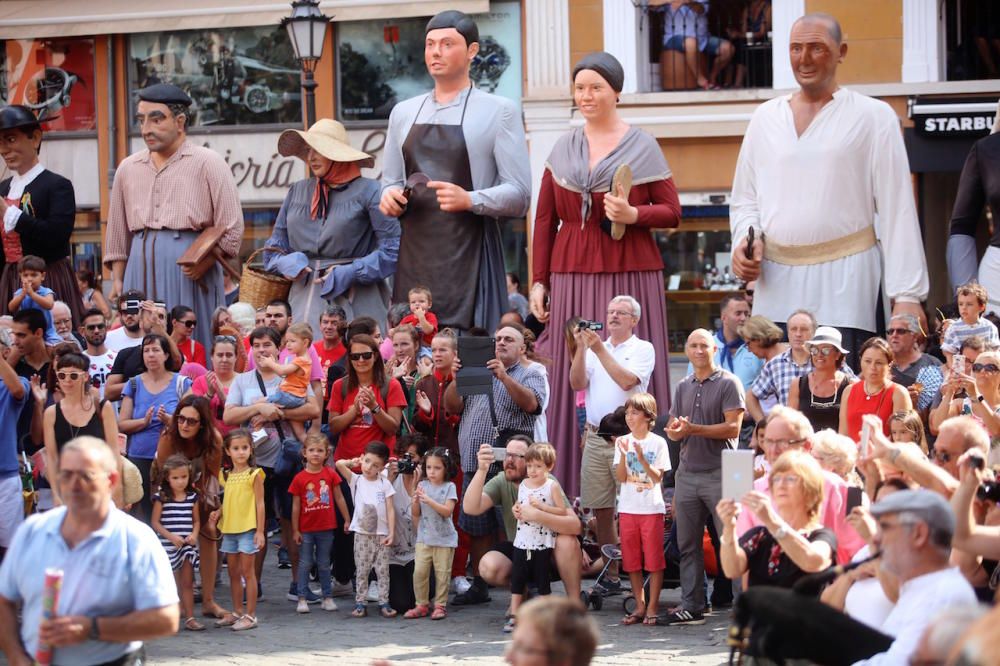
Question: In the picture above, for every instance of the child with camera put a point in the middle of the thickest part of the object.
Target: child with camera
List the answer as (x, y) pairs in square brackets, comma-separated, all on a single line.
[(433, 506)]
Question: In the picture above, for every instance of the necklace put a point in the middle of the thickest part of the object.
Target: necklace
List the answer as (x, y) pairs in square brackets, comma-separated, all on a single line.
[(869, 396)]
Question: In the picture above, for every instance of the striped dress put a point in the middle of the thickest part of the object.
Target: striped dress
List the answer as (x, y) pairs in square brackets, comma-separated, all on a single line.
[(178, 518)]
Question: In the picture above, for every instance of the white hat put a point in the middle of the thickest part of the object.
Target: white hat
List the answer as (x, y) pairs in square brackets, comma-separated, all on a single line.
[(827, 335)]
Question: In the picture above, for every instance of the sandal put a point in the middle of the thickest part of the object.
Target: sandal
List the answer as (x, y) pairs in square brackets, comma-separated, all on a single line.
[(228, 620), (420, 610), (246, 622), (440, 613), (650, 620), (632, 618), (387, 611), (192, 624), (360, 610)]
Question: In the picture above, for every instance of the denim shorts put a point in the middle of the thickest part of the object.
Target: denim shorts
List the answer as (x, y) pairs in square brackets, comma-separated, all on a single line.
[(286, 400), (239, 543), (676, 43)]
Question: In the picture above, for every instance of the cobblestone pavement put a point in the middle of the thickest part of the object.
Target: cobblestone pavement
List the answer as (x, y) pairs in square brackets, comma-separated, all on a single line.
[(470, 635)]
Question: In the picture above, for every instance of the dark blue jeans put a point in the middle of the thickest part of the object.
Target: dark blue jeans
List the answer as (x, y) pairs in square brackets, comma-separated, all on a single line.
[(315, 549)]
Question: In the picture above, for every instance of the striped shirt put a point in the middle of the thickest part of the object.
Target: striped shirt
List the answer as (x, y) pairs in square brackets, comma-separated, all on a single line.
[(959, 331), (193, 191), (178, 519)]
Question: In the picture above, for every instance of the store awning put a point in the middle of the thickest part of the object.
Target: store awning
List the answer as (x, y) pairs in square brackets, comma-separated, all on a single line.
[(27, 19)]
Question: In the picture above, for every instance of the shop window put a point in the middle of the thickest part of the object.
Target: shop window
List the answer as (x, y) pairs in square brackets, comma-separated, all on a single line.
[(728, 45), (972, 39), (236, 76), (381, 63), (54, 78)]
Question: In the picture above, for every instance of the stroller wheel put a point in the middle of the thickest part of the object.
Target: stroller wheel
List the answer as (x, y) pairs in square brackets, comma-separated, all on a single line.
[(585, 598), (629, 605), (596, 602)]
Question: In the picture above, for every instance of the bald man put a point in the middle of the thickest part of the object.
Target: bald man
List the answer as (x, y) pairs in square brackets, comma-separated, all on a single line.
[(705, 418)]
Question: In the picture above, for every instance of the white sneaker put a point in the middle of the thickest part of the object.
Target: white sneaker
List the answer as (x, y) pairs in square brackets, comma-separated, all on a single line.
[(328, 604), (372, 592), (303, 606), (342, 589), (460, 584)]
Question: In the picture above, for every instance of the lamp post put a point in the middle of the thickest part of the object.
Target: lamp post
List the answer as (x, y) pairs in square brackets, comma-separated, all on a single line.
[(307, 31)]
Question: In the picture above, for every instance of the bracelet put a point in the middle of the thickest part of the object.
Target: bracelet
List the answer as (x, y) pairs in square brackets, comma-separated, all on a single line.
[(376, 409), (95, 631)]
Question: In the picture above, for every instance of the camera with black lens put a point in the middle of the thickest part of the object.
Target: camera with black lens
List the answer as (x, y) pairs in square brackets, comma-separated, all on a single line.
[(586, 324), (988, 491), (406, 464)]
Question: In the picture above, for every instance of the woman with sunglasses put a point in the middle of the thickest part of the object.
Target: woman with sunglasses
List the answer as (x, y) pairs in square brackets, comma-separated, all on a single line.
[(79, 412), (983, 390), (181, 328), (192, 434), (215, 384), (365, 406), (818, 393), (876, 393), (148, 401)]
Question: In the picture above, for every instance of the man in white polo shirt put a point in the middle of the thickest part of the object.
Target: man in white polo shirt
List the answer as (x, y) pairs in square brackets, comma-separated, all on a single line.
[(609, 371)]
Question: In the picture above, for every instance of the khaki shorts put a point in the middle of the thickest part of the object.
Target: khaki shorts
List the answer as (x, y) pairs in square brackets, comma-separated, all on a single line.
[(598, 487)]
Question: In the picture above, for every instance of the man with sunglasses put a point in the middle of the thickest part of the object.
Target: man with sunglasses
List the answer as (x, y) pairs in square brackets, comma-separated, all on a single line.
[(918, 372), (94, 330)]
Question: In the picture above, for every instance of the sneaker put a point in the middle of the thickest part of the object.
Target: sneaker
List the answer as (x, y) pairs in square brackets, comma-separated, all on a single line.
[(682, 617), (283, 561), (302, 607), (342, 589), (508, 626), (460, 584), (607, 587), (328, 604), (293, 594), (372, 592), (478, 593)]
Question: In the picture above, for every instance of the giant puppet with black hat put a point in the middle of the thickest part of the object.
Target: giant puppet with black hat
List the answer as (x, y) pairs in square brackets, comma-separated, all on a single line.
[(455, 165), (38, 208), (169, 201), (336, 245)]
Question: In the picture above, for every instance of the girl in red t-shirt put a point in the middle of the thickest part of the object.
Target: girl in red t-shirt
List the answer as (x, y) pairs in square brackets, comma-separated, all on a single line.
[(366, 406)]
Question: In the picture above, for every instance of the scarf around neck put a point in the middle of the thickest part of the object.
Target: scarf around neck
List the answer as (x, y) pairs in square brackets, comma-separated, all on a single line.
[(338, 174)]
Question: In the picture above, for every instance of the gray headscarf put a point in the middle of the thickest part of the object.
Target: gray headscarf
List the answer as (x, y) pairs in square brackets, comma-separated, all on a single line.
[(604, 64)]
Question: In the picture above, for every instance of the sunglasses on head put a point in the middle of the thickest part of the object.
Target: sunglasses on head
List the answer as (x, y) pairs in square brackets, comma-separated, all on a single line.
[(367, 356), (72, 376), (985, 367), (226, 338)]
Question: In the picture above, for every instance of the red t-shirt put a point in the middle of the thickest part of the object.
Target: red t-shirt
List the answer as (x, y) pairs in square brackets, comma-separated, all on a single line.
[(318, 511), (328, 357), (359, 434), (194, 352), (412, 320)]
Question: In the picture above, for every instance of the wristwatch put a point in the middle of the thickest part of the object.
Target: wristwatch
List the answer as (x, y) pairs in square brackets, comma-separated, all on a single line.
[(95, 632), (981, 398), (376, 409)]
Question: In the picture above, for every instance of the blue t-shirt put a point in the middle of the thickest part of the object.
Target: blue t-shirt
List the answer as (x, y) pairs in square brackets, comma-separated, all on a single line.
[(10, 411), (142, 444), (51, 337)]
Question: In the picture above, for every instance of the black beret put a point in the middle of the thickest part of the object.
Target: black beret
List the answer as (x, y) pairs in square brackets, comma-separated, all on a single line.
[(15, 115), (164, 93), (460, 21), (604, 64)]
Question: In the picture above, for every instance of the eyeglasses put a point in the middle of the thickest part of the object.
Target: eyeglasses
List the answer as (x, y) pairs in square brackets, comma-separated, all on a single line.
[(897, 331), (985, 367), (87, 476), (188, 421), (620, 313), (522, 456), (822, 351), (190, 323), (72, 376), (367, 356), (96, 327), (782, 443), (790, 479), (226, 338)]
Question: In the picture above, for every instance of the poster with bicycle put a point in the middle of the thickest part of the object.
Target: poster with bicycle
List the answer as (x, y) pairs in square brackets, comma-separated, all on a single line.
[(380, 63), (53, 77), (236, 76)]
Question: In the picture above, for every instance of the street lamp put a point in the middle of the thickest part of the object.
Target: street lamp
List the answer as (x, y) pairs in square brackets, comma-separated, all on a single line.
[(307, 31)]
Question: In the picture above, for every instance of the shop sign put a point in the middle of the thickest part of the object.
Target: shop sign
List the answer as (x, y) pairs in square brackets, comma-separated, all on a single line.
[(952, 118)]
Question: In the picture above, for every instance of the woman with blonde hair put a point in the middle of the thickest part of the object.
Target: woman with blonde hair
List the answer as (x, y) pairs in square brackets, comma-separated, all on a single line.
[(790, 542), (837, 454), (763, 337)]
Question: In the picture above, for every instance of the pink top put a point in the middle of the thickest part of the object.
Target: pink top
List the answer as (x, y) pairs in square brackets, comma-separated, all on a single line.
[(831, 515)]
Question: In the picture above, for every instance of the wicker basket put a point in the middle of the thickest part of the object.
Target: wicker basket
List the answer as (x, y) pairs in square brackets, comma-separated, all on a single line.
[(258, 287)]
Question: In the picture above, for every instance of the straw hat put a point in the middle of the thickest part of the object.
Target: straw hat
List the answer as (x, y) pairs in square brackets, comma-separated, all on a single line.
[(328, 138)]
